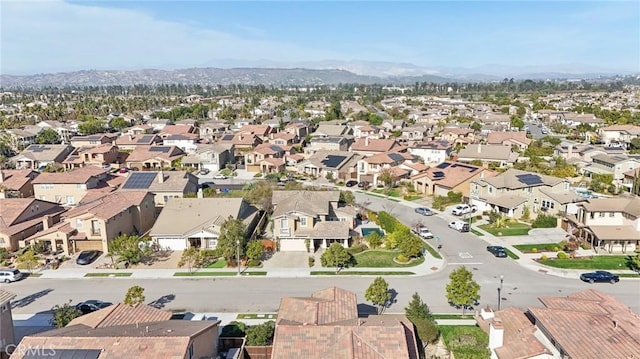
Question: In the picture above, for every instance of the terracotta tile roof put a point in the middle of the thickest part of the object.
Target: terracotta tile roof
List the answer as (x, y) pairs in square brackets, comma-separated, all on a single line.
[(590, 324), (260, 130), (5, 296), (629, 205), (78, 176), (499, 137), (313, 203), (141, 154), (457, 131), (488, 152), (109, 205), (268, 149), (16, 179), (388, 158), (326, 306), (15, 216), (177, 129), (142, 139), (245, 139), (632, 129), (377, 145), (122, 314), (167, 339), (452, 174), (509, 179)]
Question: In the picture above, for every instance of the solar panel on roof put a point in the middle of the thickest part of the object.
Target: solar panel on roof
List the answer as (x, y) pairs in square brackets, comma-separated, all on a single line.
[(37, 148), (529, 179), (159, 149), (396, 157), (138, 180), (145, 139), (438, 174), (443, 165), (227, 137), (332, 161)]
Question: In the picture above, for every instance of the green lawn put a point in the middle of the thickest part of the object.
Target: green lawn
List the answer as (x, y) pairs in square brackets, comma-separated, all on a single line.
[(257, 316), (597, 262), (360, 273), (382, 259), (392, 193), (116, 274), (412, 197), (205, 274), (217, 264), (510, 229), (465, 341), (451, 316), (479, 234), (511, 254), (629, 275), (540, 247)]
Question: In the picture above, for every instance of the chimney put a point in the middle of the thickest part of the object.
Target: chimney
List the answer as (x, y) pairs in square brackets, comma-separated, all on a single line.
[(160, 177), (47, 221), (366, 141), (486, 313), (1, 176), (496, 334)]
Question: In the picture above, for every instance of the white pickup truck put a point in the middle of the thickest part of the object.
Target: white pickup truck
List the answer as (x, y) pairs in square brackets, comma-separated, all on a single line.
[(423, 231)]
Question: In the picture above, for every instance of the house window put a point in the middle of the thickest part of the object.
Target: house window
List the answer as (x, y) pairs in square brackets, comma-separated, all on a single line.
[(490, 189), (284, 223), (70, 200), (601, 214), (78, 223), (303, 221), (611, 214)]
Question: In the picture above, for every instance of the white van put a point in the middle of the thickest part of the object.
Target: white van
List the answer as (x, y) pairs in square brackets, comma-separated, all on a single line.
[(459, 226), (10, 275)]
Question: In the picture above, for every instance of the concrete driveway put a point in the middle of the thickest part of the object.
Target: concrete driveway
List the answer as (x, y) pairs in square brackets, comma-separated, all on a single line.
[(539, 235), (288, 260)]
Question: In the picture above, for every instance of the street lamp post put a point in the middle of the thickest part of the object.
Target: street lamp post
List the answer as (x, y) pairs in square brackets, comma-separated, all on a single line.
[(500, 291), (238, 255)]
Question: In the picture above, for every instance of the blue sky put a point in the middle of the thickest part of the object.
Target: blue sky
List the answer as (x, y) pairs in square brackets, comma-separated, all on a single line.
[(57, 35)]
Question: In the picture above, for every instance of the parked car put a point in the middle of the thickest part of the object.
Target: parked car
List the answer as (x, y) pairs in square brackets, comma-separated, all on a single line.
[(599, 276), (10, 275), (90, 306), (423, 231), (363, 184), (424, 211), (459, 226), (351, 183), (219, 176), (497, 251), (204, 171), (462, 209), (123, 170), (88, 257)]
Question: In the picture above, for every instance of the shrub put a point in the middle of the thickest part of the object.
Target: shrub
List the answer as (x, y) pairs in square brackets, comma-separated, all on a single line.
[(253, 263), (534, 250), (257, 175), (402, 258), (375, 239), (388, 222), (262, 334), (358, 248), (585, 246), (312, 261), (234, 329), (545, 221), (543, 257), (562, 255), (555, 249)]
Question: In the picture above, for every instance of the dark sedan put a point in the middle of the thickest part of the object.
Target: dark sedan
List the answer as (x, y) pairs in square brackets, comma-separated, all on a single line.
[(351, 183), (424, 211), (599, 276), (88, 257), (90, 306), (497, 251), (363, 184)]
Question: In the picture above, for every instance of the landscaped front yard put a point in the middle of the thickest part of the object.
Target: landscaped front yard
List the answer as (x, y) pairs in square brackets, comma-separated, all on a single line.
[(393, 192), (605, 262), (381, 259), (509, 229), (538, 247), (465, 341)]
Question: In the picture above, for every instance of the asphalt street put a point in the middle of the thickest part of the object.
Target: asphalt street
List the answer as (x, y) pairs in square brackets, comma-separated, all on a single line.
[(521, 286)]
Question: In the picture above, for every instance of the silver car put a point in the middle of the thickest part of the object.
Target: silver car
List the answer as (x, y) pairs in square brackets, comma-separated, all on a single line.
[(10, 275)]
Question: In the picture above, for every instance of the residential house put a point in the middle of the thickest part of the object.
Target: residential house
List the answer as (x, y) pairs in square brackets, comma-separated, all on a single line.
[(509, 138), (101, 155), (369, 147), (188, 142), (369, 131), (138, 130), (433, 152), (239, 123), (266, 158), (631, 177), (370, 168), (495, 119), (154, 157), (122, 331), (449, 177), (213, 157), (39, 156), (316, 216), (300, 129), (16, 183), (129, 142), (326, 130), (611, 224), (93, 225), (554, 331), (23, 217), (197, 222), (65, 132), (181, 128), (330, 143), (68, 188), (510, 192), (242, 141), (573, 119), (20, 138), (213, 129), (622, 134), (158, 124), (615, 165), (412, 134), (457, 135), (498, 155), (262, 131), (7, 337), (164, 184), (393, 125), (577, 153), (339, 165), (327, 325), (94, 140)]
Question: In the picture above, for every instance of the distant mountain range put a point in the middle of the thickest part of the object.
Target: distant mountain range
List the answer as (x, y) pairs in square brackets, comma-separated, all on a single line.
[(262, 72)]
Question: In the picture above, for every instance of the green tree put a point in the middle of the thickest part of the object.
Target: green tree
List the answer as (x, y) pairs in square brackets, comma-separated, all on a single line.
[(374, 239), (134, 296), (262, 334), (232, 231), (48, 136), (462, 290), (234, 329), (63, 314), (118, 123), (417, 309), (254, 250), (517, 122), (427, 330), (130, 248), (28, 260), (386, 177), (633, 262), (260, 194), (335, 256), (410, 245), (476, 126), (378, 293), (347, 197), (190, 257), (91, 127)]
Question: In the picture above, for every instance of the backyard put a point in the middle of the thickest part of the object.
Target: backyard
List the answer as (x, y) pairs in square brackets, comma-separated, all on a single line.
[(465, 341), (509, 229), (605, 262)]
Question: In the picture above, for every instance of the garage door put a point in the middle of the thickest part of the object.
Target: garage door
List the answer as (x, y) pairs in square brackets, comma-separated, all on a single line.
[(88, 246), (174, 244), (292, 245)]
